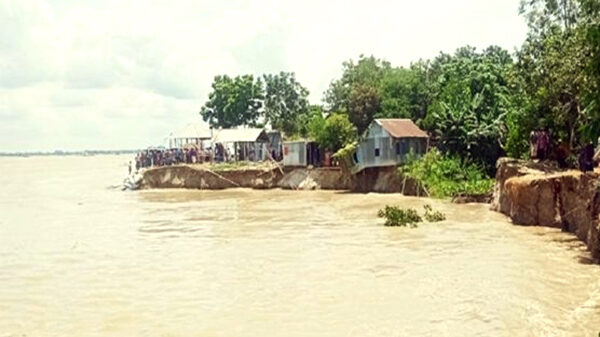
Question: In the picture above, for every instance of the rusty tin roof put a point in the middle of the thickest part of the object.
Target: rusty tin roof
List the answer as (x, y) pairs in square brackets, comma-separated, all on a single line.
[(401, 128)]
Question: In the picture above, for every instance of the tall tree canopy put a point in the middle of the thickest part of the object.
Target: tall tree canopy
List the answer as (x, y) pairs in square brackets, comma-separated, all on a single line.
[(472, 98), (285, 102), (407, 92), (357, 92), (305, 120), (557, 67), (233, 102), (364, 102)]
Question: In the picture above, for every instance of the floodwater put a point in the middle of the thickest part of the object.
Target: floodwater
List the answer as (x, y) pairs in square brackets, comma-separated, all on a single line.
[(79, 258)]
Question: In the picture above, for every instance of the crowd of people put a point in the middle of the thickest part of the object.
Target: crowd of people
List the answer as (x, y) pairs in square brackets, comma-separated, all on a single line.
[(541, 148), (167, 157)]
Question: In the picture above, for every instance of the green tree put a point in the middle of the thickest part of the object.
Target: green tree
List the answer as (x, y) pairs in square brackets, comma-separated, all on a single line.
[(286, 102), (356, 93), (559, 70), (407, 92), (364, 102), (233, 102), (315, 113), (395, 94), (332, 133), (473, 97), (591, 14)]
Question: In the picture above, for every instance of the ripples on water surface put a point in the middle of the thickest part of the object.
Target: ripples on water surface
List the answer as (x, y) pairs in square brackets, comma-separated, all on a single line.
[(78, 258)]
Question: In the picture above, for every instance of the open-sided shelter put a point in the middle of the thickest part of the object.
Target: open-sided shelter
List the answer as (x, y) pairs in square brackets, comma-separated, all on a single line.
[(241, 144)]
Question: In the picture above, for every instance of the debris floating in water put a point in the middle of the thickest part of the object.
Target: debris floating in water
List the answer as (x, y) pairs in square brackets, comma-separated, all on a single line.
[(132, 182)]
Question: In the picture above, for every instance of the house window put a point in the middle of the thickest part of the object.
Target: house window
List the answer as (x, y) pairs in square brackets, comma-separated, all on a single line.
[(398, 150), (355, 156), (377, 153)]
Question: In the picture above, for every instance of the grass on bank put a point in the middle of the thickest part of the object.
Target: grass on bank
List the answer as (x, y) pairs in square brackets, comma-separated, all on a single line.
[(234, 165), (444, 176), (225, 166)]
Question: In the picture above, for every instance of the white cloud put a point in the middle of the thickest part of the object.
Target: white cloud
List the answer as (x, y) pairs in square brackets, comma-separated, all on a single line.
[(121, 74)]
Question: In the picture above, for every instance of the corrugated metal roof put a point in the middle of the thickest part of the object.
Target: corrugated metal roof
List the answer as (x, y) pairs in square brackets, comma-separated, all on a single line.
[(401, 128), (240, 135), (193, 130)]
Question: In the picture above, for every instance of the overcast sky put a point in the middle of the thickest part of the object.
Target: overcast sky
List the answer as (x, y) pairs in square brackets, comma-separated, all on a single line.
[(122, 74)]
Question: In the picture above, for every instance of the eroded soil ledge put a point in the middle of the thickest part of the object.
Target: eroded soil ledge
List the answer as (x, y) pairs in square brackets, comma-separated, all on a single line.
[(383, 180), (536, 194)]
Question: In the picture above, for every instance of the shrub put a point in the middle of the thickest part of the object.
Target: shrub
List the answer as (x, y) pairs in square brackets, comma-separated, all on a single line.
[(433, 216), (395, 216), (344, 155), (445, 176)]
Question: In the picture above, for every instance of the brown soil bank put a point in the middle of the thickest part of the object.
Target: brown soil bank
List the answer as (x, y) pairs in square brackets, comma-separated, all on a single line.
[(383, 180), (535, 194), (315, 179), (265, 177), (199, 177)]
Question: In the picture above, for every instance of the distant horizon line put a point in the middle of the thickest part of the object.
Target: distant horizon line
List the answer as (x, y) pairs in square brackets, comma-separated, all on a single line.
[(65, 152)]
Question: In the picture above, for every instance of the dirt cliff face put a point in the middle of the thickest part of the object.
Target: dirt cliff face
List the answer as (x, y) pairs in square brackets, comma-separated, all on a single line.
[(385, 180), (382, 180), (184, 176), (315, 179), (198, 177), (537, 195)]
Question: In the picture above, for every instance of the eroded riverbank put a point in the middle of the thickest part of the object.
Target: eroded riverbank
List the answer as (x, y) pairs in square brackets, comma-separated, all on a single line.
[(206, 177), (534, 195)]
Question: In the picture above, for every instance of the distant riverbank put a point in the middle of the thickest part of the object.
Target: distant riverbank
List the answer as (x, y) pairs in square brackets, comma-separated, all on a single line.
[(67, 153)]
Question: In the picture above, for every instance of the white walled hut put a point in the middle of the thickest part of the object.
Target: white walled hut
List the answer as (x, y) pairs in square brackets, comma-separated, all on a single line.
[(387, 142), (242, 144)]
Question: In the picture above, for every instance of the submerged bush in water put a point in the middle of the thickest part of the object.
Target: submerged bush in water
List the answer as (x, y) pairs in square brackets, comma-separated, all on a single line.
[(400, 217), (433, 216), (396, 216)]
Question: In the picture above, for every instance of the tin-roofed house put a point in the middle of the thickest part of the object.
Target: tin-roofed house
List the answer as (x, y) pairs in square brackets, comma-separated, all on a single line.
[(241, 144), (301, 153), (387, 142)]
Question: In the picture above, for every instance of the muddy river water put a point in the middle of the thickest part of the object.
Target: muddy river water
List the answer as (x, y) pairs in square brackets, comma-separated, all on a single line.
[(79, 258)]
